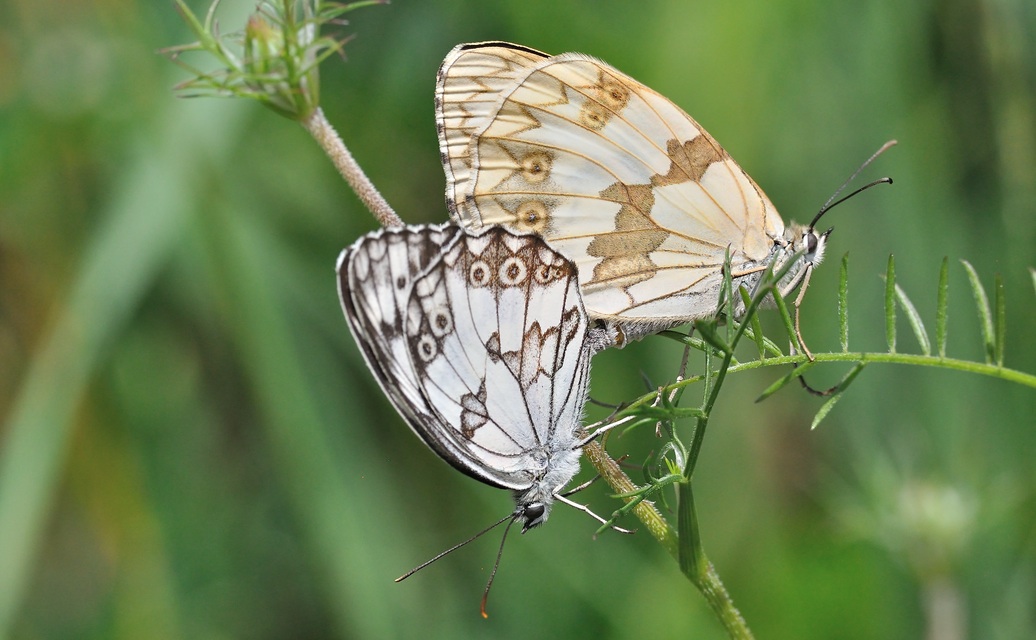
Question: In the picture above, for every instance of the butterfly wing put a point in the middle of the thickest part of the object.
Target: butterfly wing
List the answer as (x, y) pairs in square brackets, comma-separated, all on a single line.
[(479, 340), (499, 342), (621, 181), (468, 88), (375, 277)]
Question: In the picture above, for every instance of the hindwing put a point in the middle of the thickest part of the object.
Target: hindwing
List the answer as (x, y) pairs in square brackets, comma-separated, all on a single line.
[(481, 342)]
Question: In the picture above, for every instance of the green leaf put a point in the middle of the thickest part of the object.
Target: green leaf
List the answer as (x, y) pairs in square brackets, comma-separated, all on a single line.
[(915, 321), (838, 390), (776, 386), (890, 304), (727, 297), (707, 330), (824, 410), (843, 304), (757, 327), (769, 346), (984, 313), (687, 526), (789, 324), (940, 307)]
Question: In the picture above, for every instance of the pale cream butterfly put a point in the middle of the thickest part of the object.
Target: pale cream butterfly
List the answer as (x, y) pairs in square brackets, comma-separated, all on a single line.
[(481, 342), (615, 177)]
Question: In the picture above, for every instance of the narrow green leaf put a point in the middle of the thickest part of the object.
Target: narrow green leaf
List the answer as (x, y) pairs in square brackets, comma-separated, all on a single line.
[(1032, 272), (1001, 320), (783, 380), (890, 304), (727, 297), (843, 304), (984, 313), (757, 327), (687, 526), (839, 389), (849, 377), (940, 307), (789, 324), (824, 410), (772, 347), (707, 330), (914, 318)]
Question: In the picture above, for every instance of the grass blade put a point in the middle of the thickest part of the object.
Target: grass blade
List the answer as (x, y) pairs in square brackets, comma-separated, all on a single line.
[(1001, 320), (915, 321), (148, 213), (890, 304), (843, 304), (984, 313), (940, 308)]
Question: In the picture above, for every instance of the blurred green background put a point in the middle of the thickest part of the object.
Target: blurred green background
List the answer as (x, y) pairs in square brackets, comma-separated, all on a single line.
[(191, 446)]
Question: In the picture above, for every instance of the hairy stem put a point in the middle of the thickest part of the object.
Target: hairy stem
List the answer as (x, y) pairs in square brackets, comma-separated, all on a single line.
[(328, 139), (621, 483)]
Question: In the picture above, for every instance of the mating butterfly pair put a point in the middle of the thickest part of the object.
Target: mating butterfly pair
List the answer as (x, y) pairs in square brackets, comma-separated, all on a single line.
[(481, 336)]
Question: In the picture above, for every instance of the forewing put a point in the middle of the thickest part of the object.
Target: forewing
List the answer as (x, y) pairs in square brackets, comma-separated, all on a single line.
[(468, 88), (498, 338), (621, 181)]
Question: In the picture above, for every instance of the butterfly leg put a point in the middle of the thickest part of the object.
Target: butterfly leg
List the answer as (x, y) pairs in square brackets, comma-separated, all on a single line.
[(576, 489), (599, 430), (802, 342), (580, 487), (587, 510), (817, 392), (674, 397), (798, 308)]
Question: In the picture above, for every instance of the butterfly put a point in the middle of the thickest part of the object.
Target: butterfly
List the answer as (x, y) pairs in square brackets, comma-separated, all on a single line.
[(615, 177), (480, 340)]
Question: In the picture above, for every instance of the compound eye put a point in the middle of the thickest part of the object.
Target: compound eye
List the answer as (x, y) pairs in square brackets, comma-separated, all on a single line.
[(534, 514), (811, 242)]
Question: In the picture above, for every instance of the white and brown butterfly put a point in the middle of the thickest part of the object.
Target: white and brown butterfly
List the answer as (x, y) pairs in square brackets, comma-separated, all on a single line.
[(481, 342), (615, 177)]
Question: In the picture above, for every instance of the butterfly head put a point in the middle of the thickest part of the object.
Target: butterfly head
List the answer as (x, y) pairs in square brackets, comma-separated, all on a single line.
[(533, 514), (811, 243), (557, 468), (808, 244)]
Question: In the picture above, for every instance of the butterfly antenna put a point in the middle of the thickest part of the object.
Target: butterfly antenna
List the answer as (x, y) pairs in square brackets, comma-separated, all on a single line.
[(458, 546), (606, 405), (496, 565), (832, 203)]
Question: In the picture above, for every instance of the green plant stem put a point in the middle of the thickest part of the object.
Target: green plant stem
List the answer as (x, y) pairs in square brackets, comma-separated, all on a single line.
[(329, 140), (702, 574), (954, 364), (646, 512)]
